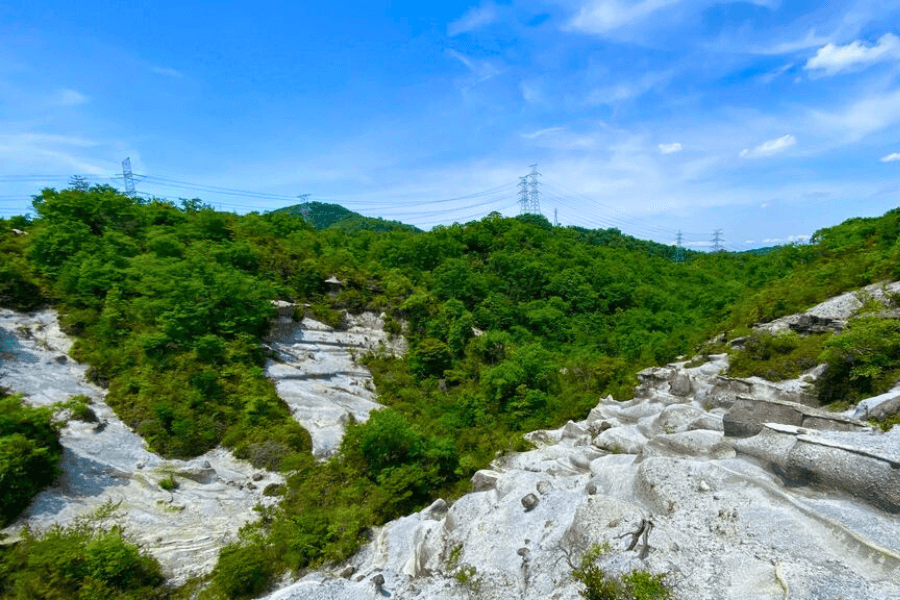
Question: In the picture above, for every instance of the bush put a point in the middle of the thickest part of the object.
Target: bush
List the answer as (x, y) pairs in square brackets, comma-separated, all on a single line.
[(243, 571), (79, 564), (864, 360), (777, 357), (636, 585), (29, 454)]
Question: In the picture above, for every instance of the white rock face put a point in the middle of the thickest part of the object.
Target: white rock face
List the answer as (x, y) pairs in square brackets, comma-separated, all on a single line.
[(839, 308), (110, 466), (791, 512), (315, 371)]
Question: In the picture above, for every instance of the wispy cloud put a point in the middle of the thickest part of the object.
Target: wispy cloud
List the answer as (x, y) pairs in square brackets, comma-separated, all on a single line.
[(482, 69), (670, 148), (168, 72), (540, 132), (864, 116), (789, 46), (770, 147), (892, 157), (68, 97), (603, 16), (50, 152), (856, 55), (473, 19)]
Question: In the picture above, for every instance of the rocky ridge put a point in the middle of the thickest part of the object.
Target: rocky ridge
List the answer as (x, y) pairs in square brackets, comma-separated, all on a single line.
[(735, 488)]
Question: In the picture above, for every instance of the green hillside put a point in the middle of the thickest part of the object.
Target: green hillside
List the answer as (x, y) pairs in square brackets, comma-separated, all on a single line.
[(323, 215), (513, 325)]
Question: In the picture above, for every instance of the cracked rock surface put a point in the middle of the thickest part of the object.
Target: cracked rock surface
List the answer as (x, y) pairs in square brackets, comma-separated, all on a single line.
[(315, 371), (787, 512)]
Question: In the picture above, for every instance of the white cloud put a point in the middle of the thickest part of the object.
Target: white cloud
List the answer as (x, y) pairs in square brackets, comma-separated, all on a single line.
[(856, 55), (167, 72), (670, 148), (892, 157), (810, 40), (540, 132), (602, 16), (482, 69), (773, 75), (771, 147), (69, 97), (865, 116), (473, 18)]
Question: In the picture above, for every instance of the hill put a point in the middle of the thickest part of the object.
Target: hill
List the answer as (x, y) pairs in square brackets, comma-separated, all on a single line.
[(322, 215)]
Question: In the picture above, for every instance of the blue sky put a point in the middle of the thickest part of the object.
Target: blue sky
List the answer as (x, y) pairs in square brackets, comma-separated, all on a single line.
[(767, 119)]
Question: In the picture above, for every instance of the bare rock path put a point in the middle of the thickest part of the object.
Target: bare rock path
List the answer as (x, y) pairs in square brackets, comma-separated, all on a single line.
[(316, 372)]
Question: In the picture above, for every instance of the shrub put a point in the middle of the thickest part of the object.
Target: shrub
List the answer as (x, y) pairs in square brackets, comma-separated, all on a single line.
[(29, 454), (80, 564), (864, 360), (243, 571), (777, 357), (636, 585)]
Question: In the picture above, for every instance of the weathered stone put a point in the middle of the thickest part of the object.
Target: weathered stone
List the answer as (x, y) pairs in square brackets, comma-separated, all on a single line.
[(709, 421), (625, 440), (598, 427), (681, 385), (347, 572), (484, 480), (530, 501), (699, 443), (867, 475), (573, 430), (436, 510), (677, 417), (748, 415), (724, 392)]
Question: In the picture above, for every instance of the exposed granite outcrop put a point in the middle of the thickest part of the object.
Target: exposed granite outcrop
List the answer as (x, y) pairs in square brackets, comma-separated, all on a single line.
[(106, 465)]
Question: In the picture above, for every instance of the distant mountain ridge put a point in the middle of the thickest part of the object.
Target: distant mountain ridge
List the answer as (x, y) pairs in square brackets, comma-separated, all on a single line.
[(323, 215)]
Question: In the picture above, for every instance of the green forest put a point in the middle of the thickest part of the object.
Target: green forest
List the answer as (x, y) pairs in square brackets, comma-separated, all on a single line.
[(513, 325)]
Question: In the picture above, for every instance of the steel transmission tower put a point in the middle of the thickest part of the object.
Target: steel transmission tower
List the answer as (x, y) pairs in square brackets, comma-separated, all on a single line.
[(717, 241), (534, 194), (679, 248), (523, 195), (529, 194), (128, 177)]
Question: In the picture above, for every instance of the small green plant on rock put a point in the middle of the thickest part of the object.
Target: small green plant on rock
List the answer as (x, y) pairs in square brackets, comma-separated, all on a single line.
[(637, 585), (168, 483)]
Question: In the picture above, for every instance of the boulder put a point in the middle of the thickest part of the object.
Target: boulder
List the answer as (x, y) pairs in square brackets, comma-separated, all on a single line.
[(747, 416), (681, 385), (677, 417), (710, 421), (484, 480), (620, 440), (530, 501)]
